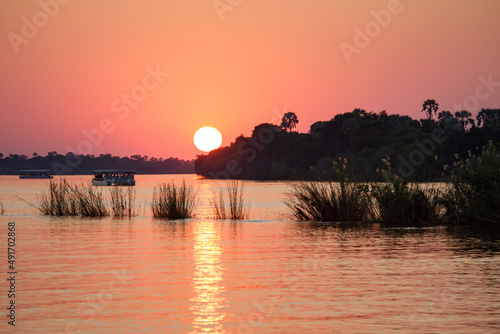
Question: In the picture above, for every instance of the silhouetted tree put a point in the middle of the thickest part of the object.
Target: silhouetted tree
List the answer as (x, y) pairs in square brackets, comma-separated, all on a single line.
[(445, 119), (349, 126), (289, 121), (263, 128), (465, 119), (362, 137), (430, 107), (489, 118)]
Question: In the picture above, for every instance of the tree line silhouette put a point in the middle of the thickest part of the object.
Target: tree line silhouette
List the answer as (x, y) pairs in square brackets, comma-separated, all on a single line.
[(420, 150), (72, 164)]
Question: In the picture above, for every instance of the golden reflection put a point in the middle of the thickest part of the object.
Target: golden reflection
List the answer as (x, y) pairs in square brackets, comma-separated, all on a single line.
[(204, 209), (208, 303)]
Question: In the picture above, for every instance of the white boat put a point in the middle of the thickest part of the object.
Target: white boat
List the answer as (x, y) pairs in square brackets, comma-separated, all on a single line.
[(35, 174), (111, 177)]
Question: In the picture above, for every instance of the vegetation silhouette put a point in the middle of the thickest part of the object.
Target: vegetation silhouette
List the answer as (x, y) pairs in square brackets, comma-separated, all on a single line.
[(72, 164), (418, 148)]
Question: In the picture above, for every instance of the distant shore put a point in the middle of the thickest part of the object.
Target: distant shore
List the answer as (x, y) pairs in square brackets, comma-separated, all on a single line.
[(72, 164)]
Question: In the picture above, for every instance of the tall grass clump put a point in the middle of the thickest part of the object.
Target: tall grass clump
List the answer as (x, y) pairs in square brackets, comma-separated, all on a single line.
[(123, 202), (58, 200), (66, 199), (173, 201), (399, 203), (474, 195), (329, 201), (91, 202), (237, 209)]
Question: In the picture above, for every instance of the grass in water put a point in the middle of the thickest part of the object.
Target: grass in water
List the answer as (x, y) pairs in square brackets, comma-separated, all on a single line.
[(474, 195), (123, 202), (237, 208), (173, 201), (329, 201), (91, 202), (58, 200), (399, 203), (402, 204), (65, 199)]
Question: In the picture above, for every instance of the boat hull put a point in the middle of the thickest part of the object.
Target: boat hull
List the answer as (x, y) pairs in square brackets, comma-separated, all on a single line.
[(101, 182), (113, 182)]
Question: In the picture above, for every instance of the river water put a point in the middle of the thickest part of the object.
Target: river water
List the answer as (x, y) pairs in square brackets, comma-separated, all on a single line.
[(268, 274)]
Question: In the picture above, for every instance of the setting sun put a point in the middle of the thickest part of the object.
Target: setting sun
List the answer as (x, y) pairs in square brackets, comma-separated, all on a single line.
[(207, 139)]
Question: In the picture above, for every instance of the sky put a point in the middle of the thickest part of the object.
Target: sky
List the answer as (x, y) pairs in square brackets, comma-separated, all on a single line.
[(140, 77)]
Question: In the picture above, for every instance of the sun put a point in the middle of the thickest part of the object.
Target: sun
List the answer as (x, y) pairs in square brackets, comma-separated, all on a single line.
[(207, 138)]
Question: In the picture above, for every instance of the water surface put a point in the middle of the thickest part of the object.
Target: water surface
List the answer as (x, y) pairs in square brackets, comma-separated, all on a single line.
[(265, 275)]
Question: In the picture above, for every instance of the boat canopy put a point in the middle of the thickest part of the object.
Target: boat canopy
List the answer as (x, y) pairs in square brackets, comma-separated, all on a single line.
[(26, 171), (112, 171)]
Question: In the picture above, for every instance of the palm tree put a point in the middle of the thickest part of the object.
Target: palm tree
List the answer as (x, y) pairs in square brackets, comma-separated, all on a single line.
[(289, 121), (443, 116), (429, 107), (465, 119)]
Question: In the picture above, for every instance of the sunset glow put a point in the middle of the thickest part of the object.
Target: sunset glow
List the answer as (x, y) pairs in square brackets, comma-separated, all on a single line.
[(151, 69), (250, 166)]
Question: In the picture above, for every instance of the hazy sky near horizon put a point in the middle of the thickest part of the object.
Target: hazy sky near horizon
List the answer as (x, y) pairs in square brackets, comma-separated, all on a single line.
[(140, 77)]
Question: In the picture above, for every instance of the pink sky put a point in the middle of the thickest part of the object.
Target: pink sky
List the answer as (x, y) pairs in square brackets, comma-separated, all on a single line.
[(229, 67)]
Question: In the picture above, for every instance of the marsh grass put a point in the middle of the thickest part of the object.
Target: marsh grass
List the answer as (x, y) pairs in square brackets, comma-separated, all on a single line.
[(402, 204), (123, 202), (474, 195), (66, 199), (238, 209), (2, 209), (218, 205), (91, 201), (58, 200), (173, 201), (329, 201)]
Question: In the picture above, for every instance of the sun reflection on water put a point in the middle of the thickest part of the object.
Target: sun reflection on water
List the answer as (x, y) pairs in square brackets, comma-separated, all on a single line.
[(208, 304)]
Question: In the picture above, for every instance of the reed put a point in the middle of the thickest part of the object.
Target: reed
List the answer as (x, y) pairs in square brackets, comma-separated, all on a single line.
[(173, 201), (474, 195), (91, 202), (238, 210), (329, 201), (65, 199), (402, 204), (2, 209), (123, 202), (58, 200)]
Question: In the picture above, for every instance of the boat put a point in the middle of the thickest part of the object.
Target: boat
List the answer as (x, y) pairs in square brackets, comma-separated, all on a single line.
[(35, 174), (112, 177)]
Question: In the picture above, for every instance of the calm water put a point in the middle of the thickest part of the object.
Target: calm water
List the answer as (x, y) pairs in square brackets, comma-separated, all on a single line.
[(266, 275)]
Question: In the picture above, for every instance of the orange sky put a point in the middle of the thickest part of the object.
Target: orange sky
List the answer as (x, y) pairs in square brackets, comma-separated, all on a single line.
[(229, 67)]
